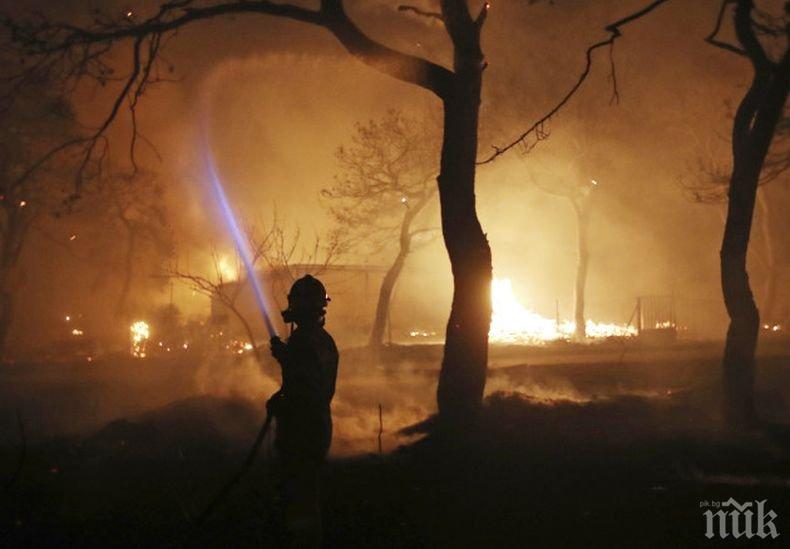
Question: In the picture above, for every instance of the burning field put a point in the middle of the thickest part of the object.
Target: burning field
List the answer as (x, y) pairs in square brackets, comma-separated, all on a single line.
[(79, 399), (153, 438), (512, 323)]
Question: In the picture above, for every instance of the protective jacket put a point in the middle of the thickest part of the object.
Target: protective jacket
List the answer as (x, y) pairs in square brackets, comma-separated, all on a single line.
[(302, 407)]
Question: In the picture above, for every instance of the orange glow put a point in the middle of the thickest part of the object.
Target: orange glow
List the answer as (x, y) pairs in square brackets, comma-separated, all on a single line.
[(511, 322)]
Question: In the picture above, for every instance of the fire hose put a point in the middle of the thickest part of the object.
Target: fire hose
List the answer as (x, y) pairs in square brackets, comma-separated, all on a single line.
[(236, 478)]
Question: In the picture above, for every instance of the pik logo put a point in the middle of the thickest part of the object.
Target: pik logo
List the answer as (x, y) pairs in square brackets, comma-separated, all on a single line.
[(739, 520)]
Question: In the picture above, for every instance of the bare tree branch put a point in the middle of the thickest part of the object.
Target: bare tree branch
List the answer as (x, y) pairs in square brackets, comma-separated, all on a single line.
[(270, 248), (711, 38), (388, 170), (75, 53), (747, 36), (536, 130)]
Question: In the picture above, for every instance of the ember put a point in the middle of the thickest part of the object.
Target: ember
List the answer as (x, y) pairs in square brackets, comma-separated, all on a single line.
[(140, 334)]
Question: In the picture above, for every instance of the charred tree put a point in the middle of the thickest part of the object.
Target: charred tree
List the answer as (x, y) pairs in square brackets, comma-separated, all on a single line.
[(582, 210), (754, 126), (125, 220), (579, 193), (83, 51), (388, 178), (710, 185), (405, 239), (464, 366), (142, 216), (714, 191), (30, 189)]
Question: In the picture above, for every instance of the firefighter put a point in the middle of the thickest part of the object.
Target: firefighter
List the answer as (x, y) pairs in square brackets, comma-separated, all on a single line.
[(301, 408)]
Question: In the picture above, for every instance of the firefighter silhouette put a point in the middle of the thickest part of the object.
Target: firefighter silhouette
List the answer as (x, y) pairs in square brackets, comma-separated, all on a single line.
[(301, 408)]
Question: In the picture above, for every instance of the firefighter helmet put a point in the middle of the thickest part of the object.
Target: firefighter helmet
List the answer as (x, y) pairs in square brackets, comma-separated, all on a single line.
[(306, 298)]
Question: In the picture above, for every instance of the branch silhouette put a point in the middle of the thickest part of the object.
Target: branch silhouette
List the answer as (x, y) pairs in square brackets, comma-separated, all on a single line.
[(537, 129)]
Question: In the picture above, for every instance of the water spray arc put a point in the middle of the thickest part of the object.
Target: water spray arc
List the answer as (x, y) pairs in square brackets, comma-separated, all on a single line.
[(240, 241)]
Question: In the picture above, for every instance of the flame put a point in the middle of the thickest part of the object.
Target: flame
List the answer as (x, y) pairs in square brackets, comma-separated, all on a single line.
[(226, 269), (140, 334), (511, 322), (238, 347)]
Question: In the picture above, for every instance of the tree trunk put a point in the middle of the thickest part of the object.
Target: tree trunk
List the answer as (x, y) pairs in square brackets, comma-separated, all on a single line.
[(464, 365), (753, 130), (385, 294), (582, 261), (744, 325), (388, 284)]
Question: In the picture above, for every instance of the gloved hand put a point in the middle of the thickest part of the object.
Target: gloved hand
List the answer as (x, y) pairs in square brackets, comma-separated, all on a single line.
[(279, 349)]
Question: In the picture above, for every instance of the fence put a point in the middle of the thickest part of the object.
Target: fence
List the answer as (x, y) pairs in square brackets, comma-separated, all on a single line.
[(671, 317)]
